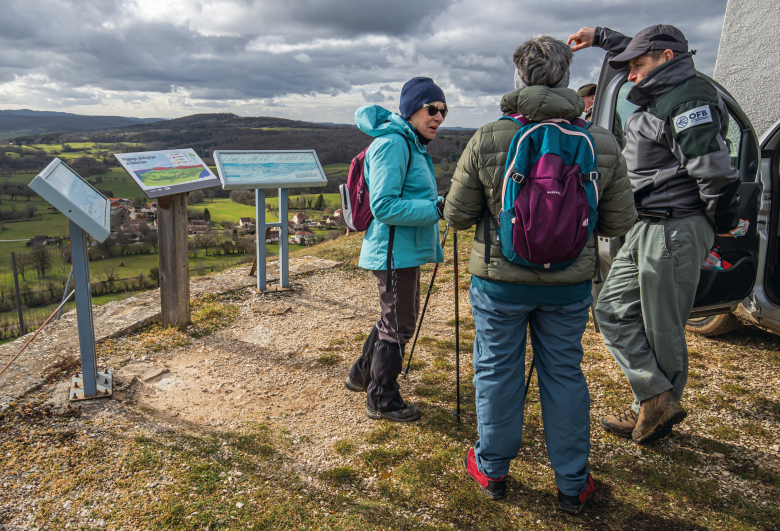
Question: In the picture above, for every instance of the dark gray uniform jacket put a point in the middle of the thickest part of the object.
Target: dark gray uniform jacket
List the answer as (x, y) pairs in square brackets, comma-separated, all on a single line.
[(677, 158)]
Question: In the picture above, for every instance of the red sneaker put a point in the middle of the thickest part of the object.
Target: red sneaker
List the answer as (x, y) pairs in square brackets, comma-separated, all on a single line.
[(574, 504), (495, 488)]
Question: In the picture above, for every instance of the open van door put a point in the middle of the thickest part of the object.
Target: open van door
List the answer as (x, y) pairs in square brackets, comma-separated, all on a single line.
[(719, 292), (764, 305)]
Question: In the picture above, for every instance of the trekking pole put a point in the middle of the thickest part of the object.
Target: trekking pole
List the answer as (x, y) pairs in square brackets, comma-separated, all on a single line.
[(528, 382), (425, 306), (457, 326)]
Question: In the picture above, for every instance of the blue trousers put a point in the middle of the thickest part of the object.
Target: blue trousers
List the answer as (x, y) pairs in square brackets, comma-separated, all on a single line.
[(499, 376)]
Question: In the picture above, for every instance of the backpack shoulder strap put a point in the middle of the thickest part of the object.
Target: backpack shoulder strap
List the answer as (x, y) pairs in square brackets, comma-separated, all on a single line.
[(579, 122), (408, 164), (516, 117), (391, 234)]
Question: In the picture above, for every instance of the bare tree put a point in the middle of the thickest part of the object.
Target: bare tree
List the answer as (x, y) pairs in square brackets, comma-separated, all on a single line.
[(151, 239), (123, 240), (41, 260), (109, 274), (22, 263), (105, 246)]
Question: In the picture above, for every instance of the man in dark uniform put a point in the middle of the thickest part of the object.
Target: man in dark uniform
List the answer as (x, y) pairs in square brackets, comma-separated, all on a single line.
[(685, 191)]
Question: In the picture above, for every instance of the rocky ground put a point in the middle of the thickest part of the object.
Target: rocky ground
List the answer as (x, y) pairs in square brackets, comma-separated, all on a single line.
[(242, 422)]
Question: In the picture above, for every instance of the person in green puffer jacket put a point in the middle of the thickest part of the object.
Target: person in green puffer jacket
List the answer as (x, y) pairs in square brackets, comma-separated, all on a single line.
[(507, 298)]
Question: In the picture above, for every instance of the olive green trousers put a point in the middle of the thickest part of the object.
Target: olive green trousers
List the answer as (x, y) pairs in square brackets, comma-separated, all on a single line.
[(647, 299)]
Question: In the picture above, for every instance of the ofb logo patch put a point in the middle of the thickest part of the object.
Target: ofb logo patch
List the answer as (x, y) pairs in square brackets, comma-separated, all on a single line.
[(692, 118)]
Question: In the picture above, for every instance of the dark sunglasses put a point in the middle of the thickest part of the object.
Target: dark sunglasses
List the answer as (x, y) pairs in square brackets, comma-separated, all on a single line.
[(433, 110)]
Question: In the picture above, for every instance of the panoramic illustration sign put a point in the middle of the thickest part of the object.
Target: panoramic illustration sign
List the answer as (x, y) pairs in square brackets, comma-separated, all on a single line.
[(174, 171), (74, 197), (269, 169)]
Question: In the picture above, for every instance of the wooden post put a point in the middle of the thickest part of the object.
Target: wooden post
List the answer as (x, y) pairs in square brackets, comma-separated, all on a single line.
[(18, 297), (174, 260)]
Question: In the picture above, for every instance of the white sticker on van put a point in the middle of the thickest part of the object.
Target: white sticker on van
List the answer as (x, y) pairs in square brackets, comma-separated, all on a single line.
[(694, 117)]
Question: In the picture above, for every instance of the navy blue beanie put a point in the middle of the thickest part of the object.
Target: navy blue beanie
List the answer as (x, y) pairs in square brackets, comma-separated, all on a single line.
[(417, 92)]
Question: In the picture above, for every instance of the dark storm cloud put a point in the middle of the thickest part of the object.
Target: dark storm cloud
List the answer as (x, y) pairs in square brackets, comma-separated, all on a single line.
[(261, 50)]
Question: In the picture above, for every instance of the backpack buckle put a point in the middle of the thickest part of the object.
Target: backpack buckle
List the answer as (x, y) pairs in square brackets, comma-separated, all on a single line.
[(518, 178), (592, 176)]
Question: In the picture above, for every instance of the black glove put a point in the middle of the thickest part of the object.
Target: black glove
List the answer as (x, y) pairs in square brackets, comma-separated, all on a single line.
[(440, 208)]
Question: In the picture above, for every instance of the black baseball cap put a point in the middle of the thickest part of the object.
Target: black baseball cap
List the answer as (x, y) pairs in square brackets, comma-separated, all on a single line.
[(659, 37)]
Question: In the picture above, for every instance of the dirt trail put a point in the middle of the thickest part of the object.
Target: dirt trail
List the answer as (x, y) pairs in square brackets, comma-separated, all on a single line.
[(265, 365)]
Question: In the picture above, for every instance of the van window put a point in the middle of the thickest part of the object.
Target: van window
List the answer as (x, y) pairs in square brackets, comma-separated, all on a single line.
[(734, 141)]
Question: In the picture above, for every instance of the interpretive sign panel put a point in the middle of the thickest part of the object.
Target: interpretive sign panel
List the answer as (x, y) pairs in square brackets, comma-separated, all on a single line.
[(74, 197), (269, 169), (174, 171)]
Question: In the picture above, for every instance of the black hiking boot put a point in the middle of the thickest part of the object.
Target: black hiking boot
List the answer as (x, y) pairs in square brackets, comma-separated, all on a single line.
[(407, 414), (574, 504), (494, 488)]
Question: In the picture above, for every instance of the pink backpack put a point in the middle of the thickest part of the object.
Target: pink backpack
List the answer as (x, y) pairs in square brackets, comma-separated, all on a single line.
[(355, 205)]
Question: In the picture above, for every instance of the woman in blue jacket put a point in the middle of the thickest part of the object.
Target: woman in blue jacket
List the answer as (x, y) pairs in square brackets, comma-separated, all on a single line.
[(402, 191)]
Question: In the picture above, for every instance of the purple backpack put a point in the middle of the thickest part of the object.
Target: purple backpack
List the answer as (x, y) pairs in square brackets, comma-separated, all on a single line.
[(549, 194), (355, 205)]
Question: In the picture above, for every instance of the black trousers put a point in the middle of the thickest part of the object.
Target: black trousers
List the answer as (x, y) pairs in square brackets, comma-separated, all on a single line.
[(382, 360)]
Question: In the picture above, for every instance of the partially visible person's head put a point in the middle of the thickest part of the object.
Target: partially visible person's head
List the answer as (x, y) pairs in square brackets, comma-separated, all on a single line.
[(542, 60), (649, 49), (423, 105), (588, 94)]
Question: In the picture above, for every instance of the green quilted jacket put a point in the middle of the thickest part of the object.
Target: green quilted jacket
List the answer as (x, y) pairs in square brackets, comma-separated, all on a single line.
[(479, 177)]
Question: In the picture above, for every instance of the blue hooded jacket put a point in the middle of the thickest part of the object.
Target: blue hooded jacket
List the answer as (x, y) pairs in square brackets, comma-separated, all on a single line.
[(414, 215)]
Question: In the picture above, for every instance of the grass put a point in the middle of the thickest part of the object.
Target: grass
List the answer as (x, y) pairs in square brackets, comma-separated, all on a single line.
[(223, 209), (330, 358)]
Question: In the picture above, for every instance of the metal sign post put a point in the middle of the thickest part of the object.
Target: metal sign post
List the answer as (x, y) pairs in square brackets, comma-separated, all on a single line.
[(88, 214), (241, 170), (260, 226), (90, 383)]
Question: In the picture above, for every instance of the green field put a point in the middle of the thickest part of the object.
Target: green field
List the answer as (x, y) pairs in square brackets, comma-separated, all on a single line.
[(223, 209), (170, 176)]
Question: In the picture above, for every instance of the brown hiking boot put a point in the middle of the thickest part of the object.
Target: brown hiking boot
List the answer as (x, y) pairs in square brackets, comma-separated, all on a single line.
[(622, 424), (657, 415)]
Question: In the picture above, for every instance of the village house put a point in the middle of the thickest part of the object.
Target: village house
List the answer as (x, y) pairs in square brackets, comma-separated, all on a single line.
[(151, 208), (116, 206), (246, 223), (133, 226), (272, 236), (337, 213), (197, 226), (39, 240), (303, 236), (300, 217), (332, 222)]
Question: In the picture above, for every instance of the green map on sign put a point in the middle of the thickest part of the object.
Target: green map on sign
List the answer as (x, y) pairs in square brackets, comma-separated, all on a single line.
[(169, 176)]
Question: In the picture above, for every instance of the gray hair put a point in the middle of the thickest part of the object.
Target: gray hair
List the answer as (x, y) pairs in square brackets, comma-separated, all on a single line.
[(543, 60)]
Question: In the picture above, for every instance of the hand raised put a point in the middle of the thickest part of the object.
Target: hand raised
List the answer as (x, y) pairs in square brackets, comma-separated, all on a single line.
[(582, 39)]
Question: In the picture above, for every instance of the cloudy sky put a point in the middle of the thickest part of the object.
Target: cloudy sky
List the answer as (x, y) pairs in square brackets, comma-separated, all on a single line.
[(316, 60)]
